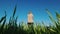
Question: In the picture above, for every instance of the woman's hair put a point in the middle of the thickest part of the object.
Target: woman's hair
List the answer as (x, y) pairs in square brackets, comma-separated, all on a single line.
[(29, 12)]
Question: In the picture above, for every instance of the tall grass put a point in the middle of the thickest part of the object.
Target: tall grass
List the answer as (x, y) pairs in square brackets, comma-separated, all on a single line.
[(13, 28)]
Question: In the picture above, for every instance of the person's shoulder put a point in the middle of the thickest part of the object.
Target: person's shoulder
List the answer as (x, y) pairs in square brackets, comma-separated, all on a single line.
[(32, 14), (27, 14)]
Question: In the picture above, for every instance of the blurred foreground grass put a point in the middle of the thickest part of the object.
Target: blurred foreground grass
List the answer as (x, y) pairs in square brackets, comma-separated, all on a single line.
[(13, 28)]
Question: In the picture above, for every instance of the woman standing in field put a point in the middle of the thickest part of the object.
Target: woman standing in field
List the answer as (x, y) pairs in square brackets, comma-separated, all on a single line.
[(30, 18)]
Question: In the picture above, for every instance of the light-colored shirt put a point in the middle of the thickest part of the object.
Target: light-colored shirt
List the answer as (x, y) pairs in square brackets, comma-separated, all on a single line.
[(30, 18)]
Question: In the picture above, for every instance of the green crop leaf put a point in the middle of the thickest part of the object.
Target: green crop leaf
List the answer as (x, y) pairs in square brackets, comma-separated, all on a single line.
[(14, 11)]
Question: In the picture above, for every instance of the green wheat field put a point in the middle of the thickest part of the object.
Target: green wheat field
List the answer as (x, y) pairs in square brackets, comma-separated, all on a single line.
[(13, 28)]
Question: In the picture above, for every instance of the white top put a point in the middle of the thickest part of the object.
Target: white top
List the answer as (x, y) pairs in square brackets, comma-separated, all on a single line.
[(30, 18)]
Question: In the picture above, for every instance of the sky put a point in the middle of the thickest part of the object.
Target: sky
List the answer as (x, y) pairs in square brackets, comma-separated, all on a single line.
[(37, 7)]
